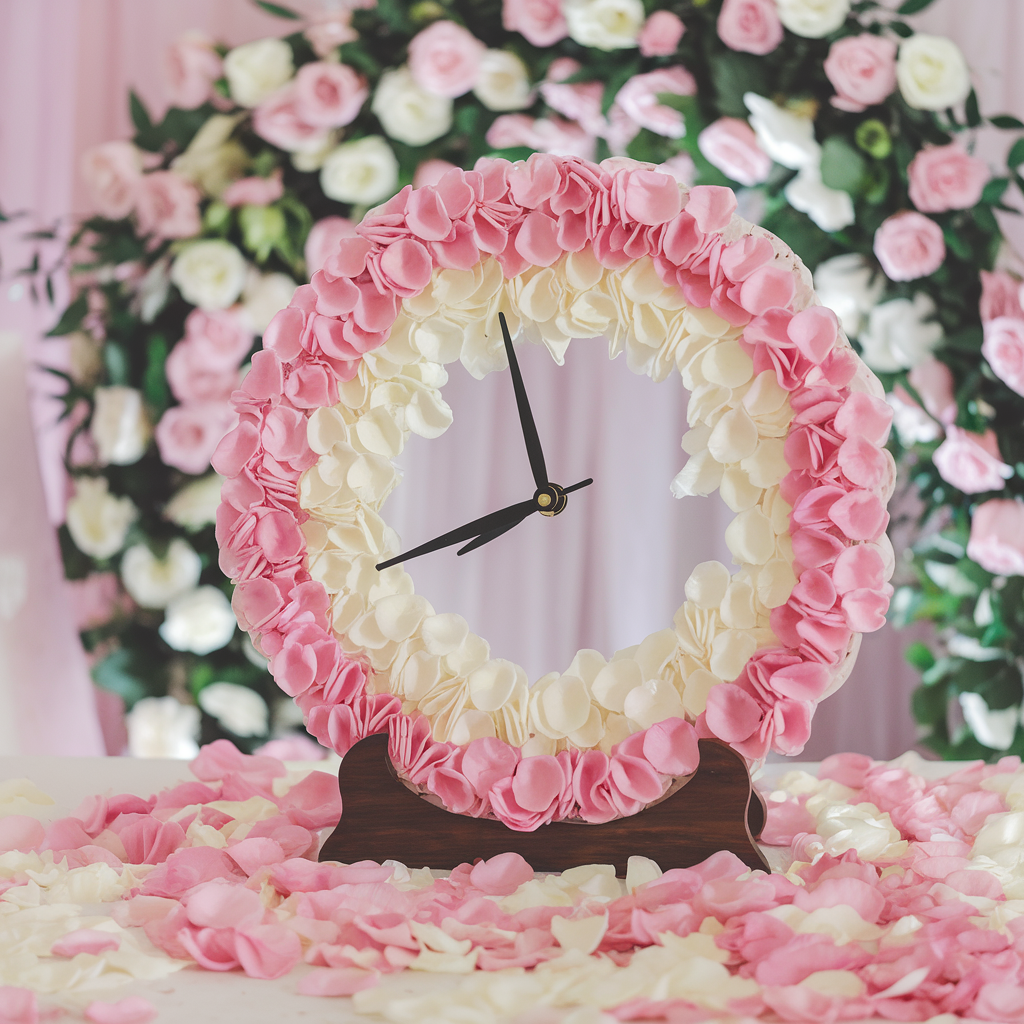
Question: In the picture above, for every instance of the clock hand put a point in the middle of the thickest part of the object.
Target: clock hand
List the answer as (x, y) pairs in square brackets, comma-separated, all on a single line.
[(533, 449)]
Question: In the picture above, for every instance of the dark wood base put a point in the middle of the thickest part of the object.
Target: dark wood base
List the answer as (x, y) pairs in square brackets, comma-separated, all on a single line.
[(717, 809)]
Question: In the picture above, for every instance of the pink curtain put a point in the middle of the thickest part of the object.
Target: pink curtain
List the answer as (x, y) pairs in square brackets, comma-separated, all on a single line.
[(608, 571)]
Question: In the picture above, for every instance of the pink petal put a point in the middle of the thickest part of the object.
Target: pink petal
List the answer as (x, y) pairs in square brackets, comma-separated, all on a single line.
[(222, 905), (732, 714), (85, 940), (18, 1005), (671, 747), (501, 875), (267, 950), (20, 832), (252, 853), (130, 1010)]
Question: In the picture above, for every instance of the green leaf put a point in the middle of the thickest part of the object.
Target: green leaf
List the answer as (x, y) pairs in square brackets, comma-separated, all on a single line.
[(154, 380), (985, 219), (512, 153), (971, 111), (1016, 155), (920, 656), (901, 28), (929, 704), (913, 6), (116, 673), (842, 167), (355, 55), (71, 318), (277, 10), (994, 190), (1006, 121), (732, 75), (116, 361), (140, 116)]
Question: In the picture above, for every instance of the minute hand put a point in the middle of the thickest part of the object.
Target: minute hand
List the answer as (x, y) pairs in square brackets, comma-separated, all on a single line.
[(533, 449)]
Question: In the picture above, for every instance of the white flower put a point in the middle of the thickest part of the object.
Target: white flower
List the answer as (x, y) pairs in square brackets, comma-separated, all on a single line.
[(364, 171), (503, 82), (85, 357), (830, 208), (850, 287), (900, 333), (98, 521), (239, 709), (313, 159), (200, 621), (155, 582), (255, 70), (161, 727), (408, 113), (119, 427), (213, 159), (812, 18), (195, 505), (911, 423), (263, 297), (786, 137), (932, 73), (151, 293), (210, 274), (993, 728), (604, 24)]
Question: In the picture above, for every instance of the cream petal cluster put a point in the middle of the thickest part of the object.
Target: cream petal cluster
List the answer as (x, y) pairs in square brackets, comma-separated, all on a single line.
[(154, 581), (97, 520)]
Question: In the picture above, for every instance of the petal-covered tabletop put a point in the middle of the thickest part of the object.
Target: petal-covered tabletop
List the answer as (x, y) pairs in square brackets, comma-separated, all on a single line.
[(133, 890)]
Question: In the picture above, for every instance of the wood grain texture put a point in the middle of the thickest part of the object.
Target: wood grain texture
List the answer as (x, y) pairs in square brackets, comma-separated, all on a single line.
[(381, 820)]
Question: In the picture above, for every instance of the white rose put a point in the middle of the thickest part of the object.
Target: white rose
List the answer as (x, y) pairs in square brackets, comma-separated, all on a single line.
[(830, 208), (155, 582), (152, 291), (196, 504), (900, 333), (161, 727), (504, 82), (200, 621), (932, 72), (364, 171), (238, 709), (97, 520), (209, 274), (255, 70), (786, 137), (911, 423), (812, 18), (263, 297), (213, 159), (850, 287), (85, 357), (408, 113), (313, 159), (604, 24), (119, 427), (995, 729)]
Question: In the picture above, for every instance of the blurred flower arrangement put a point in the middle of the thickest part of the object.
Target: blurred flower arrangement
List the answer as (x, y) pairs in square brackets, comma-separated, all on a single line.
[(843, 130)]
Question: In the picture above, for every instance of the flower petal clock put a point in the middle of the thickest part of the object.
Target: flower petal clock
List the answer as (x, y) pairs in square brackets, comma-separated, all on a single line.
[(785, 421)]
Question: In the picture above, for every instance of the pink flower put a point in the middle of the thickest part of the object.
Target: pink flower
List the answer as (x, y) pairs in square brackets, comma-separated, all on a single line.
[(192, 379), (579, 101), (112, 173), (545, 134), (94, 599), (254, 191), (445, 59), (294, 747), (221, 335), (661, 34), (324, 240), (933, 381), (1004, 349), (187, 435), (279, 120), (638, 99), (1000, 295), (332, 30), (971, 462), (539, 791), (167, 206), (997, 537), (909, 245), (191, 66), (329, 95), (862, 70), (539, 21), (946, 178), (681, 167), (430, 172), (751, 26), (730, 144)]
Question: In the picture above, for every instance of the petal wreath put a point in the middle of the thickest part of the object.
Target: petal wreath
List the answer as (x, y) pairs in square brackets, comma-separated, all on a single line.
[(784, 418)]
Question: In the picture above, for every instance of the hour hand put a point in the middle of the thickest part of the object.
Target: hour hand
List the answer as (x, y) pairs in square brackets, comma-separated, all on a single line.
[(533, 449)]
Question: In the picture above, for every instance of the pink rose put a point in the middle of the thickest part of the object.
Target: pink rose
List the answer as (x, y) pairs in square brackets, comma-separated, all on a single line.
[(1000, 295), (445, 59), (933, 381), (279, 120), (909, 245), (751, 26), (332, 30), (167, 206), (539, 21), (329, 95), (638, 99), (1004, 349), (544, 134), (580, 101), (730, 144), (187, 435), (661, 34), (862, 70), (221, 335), (191, 66), (192, 379), (254, 191), (946, 178), (430, 172), (971, 462), (112, 172), (997, 537), (324, 239)]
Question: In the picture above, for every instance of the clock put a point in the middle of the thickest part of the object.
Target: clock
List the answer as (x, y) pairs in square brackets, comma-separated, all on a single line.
[(785, 422)]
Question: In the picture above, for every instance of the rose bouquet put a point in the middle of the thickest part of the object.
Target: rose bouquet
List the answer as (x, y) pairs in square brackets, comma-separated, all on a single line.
[(846, 133)]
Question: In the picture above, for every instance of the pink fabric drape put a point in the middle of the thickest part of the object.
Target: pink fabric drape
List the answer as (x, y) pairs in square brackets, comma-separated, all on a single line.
[(608, 571)]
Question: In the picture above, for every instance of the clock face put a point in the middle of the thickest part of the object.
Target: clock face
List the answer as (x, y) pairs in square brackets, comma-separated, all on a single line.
[(783, 421)]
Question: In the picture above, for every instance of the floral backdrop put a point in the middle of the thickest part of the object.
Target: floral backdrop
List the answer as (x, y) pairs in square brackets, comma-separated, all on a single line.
[(843, 130)]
